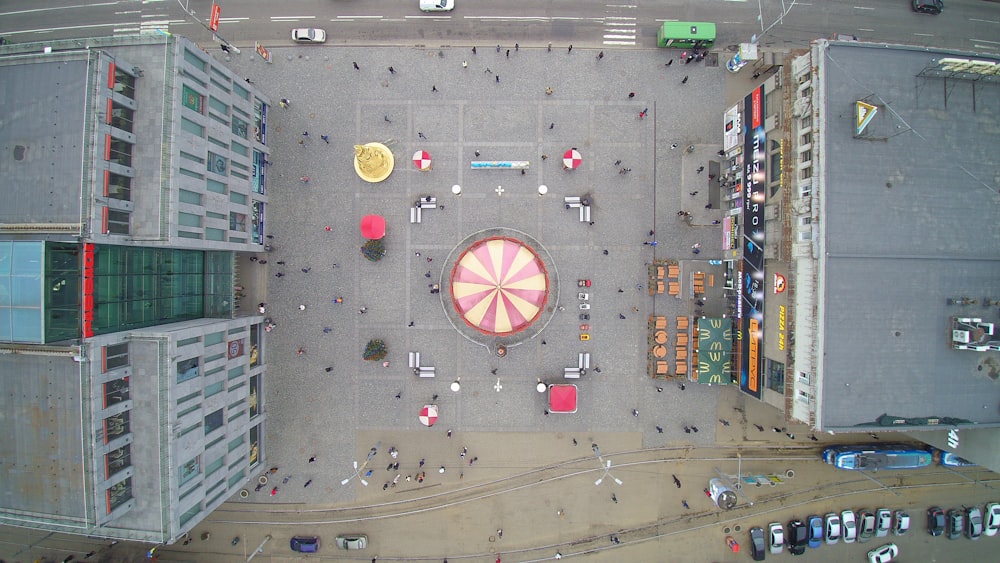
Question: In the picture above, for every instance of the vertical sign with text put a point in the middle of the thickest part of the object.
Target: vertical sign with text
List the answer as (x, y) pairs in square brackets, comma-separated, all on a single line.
[(750, 309)]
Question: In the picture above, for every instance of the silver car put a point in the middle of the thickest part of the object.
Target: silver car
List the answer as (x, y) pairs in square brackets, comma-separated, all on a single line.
[(847, 527), (777, 537), (352, 541), (308, 35), (883, 522), (832, 529)]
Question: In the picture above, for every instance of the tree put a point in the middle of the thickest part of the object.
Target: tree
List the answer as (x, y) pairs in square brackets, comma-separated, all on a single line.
[(373, 250), (375, 350)]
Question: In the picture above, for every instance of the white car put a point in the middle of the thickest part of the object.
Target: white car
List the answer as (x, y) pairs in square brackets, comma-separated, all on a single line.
[(777, 537), (308, 35), (883, 522), (902, 520), (437, 5), (849, 530), (832, 528), (883, 554), (992, 519)]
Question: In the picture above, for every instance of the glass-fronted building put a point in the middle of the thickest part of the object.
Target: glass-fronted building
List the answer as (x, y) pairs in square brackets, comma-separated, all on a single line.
[(132, 370)]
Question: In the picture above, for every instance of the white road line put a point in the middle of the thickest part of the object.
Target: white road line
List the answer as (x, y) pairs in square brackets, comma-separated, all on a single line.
[(970, 19), (985, 41), (291, 18), (359, 17)]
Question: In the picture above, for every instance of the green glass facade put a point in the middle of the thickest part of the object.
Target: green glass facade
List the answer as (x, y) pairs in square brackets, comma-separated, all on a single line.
[(39, 291)]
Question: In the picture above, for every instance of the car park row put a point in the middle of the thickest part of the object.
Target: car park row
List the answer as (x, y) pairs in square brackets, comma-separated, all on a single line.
[(866, 524)]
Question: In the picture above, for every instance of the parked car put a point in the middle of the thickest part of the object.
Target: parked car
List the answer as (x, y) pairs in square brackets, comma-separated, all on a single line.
[(883, 522), (798, 537), (815, 531), (832, 528), (352, 541), (928, 6), (883, 554), (974, 517), (935, 521), (902, 523), (305, 544), (848, 528), (757, 547), (955, 524), (583, 296), (777, 537), (308, 35), (992, 519), (436, 5), (866, 526)]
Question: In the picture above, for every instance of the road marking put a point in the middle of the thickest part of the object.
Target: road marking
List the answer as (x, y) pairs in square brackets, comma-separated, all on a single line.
[(986, 41), (983, 21), (359, 17), (291, 18), (924, 34), (620, 29), (863, 8)]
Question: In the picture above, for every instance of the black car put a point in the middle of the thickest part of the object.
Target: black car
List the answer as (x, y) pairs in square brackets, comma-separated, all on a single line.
[(928, 6), (757, 546), (935, 521), (798, 537)]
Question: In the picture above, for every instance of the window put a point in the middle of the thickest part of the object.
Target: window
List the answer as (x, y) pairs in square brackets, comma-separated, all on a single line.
[(804, 378), (192, 157), (214, 388), (236, 442), (116, 460), (215, 186), (807, 92), (802, 397), (194, 60), (121, 117), (212, 233), (214, 466), (218, 105), (190, 173), (117, 186), (115, 391), (115, 356), (217, 163), (118, 494), (124, 83), (806, 122), (192, 127), (240, 127), (214, 338), (119, 152), (803, 221), (240, 149), (805, 235), (188, 219), (213, 422), (238, 198), (192, 99), (241, 91), (806, 139), (237, 222), (805, 190), (187, 196), (806, 173), (189, 470), (118, 222), (805, 156), (187, 369), (235, 372)]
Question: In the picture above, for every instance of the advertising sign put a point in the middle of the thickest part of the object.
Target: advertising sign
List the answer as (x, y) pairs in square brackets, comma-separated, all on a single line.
[(750, 309), (213, 20)]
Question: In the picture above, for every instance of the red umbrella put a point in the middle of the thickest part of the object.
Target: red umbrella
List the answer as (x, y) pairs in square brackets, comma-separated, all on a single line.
[(422, 160), (429, 415), (572, 159), (373, 226), (562, 398)]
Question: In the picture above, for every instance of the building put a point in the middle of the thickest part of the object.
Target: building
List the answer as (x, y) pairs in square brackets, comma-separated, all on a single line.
[(134, 176), (866, 178)]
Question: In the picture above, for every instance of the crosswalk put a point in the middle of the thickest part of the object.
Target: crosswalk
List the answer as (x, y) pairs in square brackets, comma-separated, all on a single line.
[(620, 24)]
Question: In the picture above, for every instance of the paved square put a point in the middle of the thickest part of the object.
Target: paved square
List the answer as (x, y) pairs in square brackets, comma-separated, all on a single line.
[(336, 414)]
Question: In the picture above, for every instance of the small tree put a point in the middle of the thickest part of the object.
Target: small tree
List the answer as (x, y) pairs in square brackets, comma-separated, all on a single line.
[(373, 250), (375, 350)]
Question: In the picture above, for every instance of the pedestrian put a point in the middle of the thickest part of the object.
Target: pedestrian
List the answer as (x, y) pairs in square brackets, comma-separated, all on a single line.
[(570, 50), (312, 459), (545, 157), (473, 49), (326, 138), (600, 55), (659, 389), (302, 307), (776, 430), (700, 170), (500, 533), (635, 309), (709, 206), (813, 438), (399, 395), (685, 81), (716, 222), (684, 503), (465, 64), (694, 429), (631, 95), (473, 460), (262, 262), (548, 90), (614, 498), (301, 351), (327, 330), (724, 422), (421, 135), (328, 369), (790, 435), (758, 427), (253, 258), (873, 435), (356, 67), (284, 102), (676, 481), (756, 75), (552, 125), (687, 429), (696, 246), (694, 193), (721, 153), (273, 470), (247, 78), (659, 430), (618, 162), (464, 451), (392, 70), (498, 48), (683, 387), (605, 251), (434, 88), (305, 133), (441, 469), (306, 270), (575, 442), (670, 62), (516, 47), (621, 316), (498, 78), (673, 146), (309, 482), (635, 413), (428, 274), (508, 53), (224, 47), (449, 432), (386, 117)]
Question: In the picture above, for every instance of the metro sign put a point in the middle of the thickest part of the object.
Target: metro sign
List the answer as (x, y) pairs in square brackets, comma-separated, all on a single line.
[(213, 21)]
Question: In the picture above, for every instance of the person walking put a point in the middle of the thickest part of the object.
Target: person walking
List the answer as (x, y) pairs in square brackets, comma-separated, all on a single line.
[(392, 70), (631, 95), (284, 102), (326, 138), (356, 67), (685, 81), (600, 55), (570, 50)]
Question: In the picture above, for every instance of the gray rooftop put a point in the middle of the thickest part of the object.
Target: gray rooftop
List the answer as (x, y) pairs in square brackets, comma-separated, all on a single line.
[(41, 139), (909, 222)]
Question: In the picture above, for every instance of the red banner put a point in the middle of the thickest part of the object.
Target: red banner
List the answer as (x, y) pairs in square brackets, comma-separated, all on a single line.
[(213, 21)]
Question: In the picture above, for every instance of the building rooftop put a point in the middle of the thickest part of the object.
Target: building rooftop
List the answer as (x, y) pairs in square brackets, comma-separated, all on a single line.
[(908, 220), (42, 136)]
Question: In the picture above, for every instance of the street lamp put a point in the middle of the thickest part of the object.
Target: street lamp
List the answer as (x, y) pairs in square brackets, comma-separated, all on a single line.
[(607, 473), (738, 62)]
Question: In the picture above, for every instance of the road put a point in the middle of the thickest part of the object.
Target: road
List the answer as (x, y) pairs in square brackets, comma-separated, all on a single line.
[(965, 25)]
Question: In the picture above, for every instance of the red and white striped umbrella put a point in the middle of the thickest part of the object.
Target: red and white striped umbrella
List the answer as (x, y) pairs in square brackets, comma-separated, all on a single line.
[(429, 415), (572, 159), (422, 160)]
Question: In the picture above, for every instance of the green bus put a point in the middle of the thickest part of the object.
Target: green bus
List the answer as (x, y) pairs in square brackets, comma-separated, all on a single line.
[(686, 35)]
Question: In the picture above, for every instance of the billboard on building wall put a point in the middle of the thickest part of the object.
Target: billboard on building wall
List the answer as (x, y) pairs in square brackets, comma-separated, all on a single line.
[(750, 309)]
